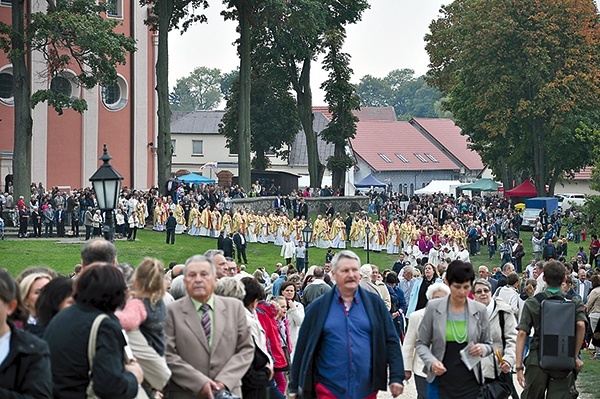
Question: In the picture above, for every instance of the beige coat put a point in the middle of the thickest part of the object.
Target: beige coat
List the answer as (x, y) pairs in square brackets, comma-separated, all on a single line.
[(189, 357), (510, 334), (412, 361)]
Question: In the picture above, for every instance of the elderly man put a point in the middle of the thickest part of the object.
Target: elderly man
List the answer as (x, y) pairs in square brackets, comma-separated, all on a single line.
[(209, 343), (484, 273), (217, 258), (344, 333)]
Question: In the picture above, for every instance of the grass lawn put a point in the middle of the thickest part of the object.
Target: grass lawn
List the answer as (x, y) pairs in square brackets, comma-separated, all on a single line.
[(63, 255)]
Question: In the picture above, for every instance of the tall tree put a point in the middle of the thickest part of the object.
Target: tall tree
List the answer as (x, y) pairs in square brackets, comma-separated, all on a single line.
[(243, 11), (295, 31), (69, 35), (201, 90), (168, 15), (273, 118), (523, 81), (411, 97), (342, 99)]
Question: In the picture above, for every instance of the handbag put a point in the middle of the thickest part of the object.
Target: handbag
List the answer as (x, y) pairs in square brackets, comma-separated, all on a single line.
[(90, 394), (92, 352), (498, 388)]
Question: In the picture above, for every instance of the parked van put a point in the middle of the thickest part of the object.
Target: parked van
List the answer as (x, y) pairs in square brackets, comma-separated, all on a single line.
[(571, 199)]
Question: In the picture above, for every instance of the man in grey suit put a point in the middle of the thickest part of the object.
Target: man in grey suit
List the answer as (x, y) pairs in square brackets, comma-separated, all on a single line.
[(584, 285), (209, 343)]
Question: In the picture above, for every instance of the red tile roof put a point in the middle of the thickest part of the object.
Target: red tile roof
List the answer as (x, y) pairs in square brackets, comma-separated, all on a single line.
[(365, 113), (447, 134), (377, 141), (584, 174)]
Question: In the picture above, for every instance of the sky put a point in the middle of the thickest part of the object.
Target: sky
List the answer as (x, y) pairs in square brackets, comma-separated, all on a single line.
[(389, 36)]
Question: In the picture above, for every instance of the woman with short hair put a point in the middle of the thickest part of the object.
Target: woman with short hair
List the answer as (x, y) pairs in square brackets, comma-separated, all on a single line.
[(503, 329), (25, 359), (100, 289), (450, 325)]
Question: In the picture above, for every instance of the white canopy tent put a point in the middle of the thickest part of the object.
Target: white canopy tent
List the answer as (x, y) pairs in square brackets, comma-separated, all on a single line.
[(440, 186)]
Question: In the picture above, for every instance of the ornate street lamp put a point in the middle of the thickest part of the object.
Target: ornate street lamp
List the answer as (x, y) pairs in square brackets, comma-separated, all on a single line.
[(307, 233), (107, 186), (368, 231)]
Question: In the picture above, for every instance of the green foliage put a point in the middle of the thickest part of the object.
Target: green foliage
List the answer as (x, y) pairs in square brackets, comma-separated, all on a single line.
[(341, 96), (201, 90), (274, 122), (523, 82), (411, 97), (73, 35)]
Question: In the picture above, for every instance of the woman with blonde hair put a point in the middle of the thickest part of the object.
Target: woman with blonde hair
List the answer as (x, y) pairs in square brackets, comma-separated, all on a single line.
[(30, 288)]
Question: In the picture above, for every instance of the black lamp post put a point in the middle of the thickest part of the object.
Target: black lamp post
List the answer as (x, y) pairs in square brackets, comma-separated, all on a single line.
[(368, 231), (307, 233), (107, 186)]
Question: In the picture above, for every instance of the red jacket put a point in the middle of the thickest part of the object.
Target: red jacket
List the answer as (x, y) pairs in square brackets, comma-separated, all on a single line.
[(266, 314)]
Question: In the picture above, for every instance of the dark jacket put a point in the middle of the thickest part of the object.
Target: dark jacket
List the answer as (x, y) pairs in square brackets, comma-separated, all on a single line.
[(25, 373), (171, 223), (67, 336), (386, 345), (227, 246)]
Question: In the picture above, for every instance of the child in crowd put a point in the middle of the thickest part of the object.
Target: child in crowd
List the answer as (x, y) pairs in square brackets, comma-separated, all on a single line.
[(146, 309)]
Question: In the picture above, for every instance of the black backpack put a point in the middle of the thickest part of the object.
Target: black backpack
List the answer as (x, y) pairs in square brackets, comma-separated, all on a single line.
[(557, 350)]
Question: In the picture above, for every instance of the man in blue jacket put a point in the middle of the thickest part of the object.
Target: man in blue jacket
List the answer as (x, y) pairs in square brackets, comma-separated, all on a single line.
[(347, 341)]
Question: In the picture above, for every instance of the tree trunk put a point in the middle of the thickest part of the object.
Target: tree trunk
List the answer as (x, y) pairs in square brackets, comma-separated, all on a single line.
[(338, 175), (539, 158), (23, 130), (244, 166), (165, 148), (304, 99)]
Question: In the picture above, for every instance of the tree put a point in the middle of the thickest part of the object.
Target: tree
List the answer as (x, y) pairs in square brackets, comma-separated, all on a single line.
[(69, 35), (169, 15), (522, 80), (294, 31), (243, 11), (201, 90), (411, 97), (341, 96), (274, 122)]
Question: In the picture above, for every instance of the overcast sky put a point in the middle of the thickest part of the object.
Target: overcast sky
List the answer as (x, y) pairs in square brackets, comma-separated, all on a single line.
[(390, 36)]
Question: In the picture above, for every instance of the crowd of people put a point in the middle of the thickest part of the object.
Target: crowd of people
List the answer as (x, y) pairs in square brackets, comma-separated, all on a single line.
[(209, 328)]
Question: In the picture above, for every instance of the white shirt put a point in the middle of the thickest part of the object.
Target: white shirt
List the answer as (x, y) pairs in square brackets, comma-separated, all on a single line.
[(4, 346)]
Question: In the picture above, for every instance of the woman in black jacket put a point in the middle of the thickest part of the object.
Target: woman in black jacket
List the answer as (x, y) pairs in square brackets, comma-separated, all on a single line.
[(98, 289), (24, 358)]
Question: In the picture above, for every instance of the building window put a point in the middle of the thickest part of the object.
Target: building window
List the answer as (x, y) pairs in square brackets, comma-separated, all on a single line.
[(7, 3), (174, 145), (114, 97), (433, 159), (60, 85), (197, 147), (6, 86), (402, 158), (385, 158), (63, 84), (420, 157), (114, 8)]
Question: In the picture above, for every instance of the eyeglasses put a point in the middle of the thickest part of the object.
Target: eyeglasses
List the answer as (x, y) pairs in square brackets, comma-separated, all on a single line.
[(483, 291)]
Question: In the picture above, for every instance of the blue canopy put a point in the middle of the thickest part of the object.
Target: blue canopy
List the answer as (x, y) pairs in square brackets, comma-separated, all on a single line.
[(195, 178), (370, 181)]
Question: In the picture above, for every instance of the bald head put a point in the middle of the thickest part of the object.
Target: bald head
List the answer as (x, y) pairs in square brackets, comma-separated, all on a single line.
[(98, 250)]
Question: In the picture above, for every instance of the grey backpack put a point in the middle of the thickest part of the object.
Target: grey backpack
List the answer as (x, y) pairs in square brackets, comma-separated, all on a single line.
[(557, 350)]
